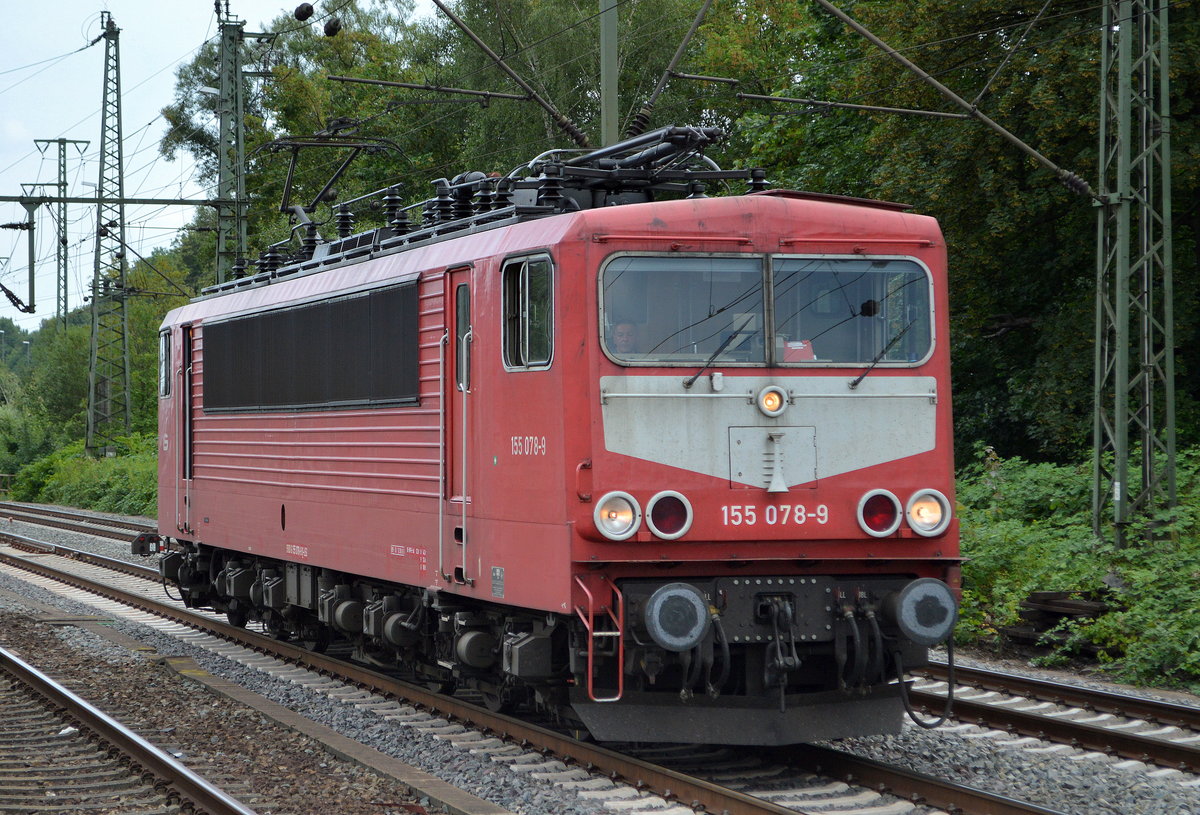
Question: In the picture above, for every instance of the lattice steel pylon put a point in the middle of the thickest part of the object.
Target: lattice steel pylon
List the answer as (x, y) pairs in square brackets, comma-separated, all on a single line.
[(231, 154), (60, 242), (109, 414), (1135, 366)]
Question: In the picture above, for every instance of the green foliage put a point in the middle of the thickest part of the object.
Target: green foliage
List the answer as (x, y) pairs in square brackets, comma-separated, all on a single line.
[(57, 385), (1026, 527), (24, 436), (126, 483)]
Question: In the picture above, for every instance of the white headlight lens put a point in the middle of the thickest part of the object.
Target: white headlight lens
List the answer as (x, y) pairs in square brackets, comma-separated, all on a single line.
[(772, 400), (928, 513), (617, 516)]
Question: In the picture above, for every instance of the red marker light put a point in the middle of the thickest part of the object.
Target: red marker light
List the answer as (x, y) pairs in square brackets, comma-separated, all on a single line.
[(669, 515), (879, 513)]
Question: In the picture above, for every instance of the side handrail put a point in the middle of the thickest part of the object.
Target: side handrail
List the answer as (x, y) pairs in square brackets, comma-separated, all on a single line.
[(617, 618)]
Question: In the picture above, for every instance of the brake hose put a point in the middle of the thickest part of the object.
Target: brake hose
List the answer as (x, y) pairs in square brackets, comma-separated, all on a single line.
[(714, 689), (908, 708), (876, 670), (860, 650)]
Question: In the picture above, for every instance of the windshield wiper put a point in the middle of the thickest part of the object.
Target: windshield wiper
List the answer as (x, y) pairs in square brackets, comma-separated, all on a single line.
[(687, 383), (881, 354)]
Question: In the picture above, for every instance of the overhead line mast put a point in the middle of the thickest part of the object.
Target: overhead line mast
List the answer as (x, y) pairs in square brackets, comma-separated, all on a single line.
[(109, 409), (233, 205), (1134, 455), (61, 306), (232, 236)]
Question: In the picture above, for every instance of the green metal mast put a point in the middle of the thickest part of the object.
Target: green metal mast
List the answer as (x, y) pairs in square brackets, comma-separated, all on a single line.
[(61, 307), (609, 125), (231, 155), (108, 373), (1134, 464)]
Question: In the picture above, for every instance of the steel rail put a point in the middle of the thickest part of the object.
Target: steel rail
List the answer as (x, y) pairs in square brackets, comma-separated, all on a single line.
[(916, 787), (1083, 735), (188, 785), (669, 784), (1102, 701), (23, 542), (638, 773), (73, 521), (69, 526)]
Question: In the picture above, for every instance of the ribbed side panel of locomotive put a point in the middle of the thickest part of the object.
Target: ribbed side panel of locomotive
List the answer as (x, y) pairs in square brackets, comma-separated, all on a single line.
[(306, 447)]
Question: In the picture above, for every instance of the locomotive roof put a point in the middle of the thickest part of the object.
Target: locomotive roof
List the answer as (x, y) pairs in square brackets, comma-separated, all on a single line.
[(772, 221), (556, 197)]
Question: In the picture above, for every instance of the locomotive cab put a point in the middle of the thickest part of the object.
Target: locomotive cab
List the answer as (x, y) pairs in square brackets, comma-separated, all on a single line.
[(772, 439)]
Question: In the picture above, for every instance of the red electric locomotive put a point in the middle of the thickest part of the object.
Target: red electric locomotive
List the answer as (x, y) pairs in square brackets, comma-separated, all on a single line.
[(668, 466)]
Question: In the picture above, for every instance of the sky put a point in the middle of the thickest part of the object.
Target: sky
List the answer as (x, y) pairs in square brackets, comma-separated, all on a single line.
[(46, 95)]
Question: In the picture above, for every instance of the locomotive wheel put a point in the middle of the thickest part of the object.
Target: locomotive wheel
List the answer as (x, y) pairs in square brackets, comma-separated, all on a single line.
[(237, 617), (314, 637), (277, 626), (446, 687), (496, 703)]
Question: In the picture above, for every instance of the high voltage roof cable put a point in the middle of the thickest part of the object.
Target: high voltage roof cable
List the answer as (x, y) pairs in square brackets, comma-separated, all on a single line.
[(559, 119)]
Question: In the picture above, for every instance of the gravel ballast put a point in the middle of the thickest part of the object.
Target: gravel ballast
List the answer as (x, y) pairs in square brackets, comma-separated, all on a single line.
[(1054, 777)]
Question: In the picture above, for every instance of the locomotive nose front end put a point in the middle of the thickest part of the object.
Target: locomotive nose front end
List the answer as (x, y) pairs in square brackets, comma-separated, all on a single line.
[(773, 506)]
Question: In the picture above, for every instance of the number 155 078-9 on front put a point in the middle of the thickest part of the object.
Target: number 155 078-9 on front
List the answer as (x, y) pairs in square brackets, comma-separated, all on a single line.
[(773, 514)]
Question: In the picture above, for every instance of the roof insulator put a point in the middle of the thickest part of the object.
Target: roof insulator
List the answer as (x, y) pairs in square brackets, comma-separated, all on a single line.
[(344, 219)]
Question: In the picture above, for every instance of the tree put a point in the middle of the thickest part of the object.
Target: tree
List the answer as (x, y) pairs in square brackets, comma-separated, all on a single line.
[(1021, 245)]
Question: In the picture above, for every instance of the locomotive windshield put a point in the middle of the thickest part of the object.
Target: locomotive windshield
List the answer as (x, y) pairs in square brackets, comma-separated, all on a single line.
[(685, 310)]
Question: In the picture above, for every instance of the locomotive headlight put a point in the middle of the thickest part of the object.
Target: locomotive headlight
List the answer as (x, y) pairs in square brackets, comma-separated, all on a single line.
[(772, 400), (928, 513), (879, 513), (617, 516)]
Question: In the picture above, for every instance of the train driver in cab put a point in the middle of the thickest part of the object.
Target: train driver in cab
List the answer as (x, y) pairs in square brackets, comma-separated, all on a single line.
[(625, 338)]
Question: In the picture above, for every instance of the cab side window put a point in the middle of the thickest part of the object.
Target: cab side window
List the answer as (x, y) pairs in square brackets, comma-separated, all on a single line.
[(528, 302), (462, 321), (164, 363)]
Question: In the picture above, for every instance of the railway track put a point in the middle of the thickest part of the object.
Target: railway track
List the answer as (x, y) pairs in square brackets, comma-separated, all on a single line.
[(1113, 724), (546, 753), (58, 750), (1137, 729), (74, 521)]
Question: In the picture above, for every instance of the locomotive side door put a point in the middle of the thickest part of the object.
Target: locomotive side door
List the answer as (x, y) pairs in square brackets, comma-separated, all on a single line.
[(184, 434), (456, 416)]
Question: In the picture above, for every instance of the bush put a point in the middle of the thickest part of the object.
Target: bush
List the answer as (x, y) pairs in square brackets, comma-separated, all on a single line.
[(126, 483), (1027, 527), (25, 433)]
